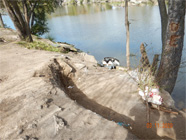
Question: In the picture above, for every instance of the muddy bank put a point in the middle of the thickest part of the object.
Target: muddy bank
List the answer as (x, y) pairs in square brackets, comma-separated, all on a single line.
[(48, 95)]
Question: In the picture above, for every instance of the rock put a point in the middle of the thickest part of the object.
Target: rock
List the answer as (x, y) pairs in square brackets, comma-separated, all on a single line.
[(2, 40), (64, 47), (180, 104), (88, 58), (121, 68), (184, 110), (79, 66), (67, 48), (167, 99), (67, 69), (8, 35)]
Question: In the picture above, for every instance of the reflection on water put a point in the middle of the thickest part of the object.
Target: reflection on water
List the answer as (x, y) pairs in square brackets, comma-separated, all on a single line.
[(75, 10), (99, 29)]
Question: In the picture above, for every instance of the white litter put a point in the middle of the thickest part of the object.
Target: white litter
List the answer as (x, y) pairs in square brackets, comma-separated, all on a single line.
[(152, 95), (70, 86)]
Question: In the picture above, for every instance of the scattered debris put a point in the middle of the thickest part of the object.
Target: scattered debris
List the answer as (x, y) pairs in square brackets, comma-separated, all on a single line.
[(164, 109), (60, 123), (123, 124), (20, 131), (47, 103), (30, 138), (67, 58)]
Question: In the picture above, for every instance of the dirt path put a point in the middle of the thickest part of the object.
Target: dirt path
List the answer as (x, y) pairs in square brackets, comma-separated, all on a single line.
[(35, 87)]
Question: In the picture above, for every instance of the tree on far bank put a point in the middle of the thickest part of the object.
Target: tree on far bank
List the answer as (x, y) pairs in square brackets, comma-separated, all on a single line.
[(172, 23)]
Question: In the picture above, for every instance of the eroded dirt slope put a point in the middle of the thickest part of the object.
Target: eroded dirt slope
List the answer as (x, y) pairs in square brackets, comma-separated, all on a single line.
[(33, 104)]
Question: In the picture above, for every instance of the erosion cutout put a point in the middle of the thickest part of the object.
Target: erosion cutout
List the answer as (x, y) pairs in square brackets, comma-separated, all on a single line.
[(62, 76)]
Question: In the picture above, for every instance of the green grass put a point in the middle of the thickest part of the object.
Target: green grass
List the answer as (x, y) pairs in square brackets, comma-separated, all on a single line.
[(39, 46)]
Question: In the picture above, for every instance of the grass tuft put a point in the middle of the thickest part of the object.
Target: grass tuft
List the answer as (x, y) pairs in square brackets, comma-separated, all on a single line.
[(39, 46)]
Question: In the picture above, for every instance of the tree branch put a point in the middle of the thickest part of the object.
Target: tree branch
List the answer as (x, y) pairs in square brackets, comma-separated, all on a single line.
[(164, 19), (32, 8), (18, 13)]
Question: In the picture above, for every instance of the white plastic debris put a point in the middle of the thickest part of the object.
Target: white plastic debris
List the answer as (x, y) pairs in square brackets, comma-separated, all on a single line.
[(152, 95), (70, 86)]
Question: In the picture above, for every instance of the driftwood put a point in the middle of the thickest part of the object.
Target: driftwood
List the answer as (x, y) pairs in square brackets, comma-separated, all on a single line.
[(164, 109), (154, 65), (145, 64)]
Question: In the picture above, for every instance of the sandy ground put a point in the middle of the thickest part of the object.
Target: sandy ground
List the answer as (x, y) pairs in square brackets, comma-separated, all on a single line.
[(46, 95)]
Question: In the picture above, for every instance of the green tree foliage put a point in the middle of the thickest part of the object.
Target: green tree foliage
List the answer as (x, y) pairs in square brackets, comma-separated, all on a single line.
[(27, 14), (38, 20)]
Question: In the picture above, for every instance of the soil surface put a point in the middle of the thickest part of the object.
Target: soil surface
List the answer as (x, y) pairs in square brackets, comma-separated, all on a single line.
[(46, 95)]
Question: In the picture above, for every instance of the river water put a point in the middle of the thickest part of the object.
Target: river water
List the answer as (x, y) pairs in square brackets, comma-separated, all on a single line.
[(99, 29)]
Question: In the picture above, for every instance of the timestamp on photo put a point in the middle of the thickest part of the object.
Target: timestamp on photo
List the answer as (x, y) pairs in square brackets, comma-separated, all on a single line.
[(159, 125)]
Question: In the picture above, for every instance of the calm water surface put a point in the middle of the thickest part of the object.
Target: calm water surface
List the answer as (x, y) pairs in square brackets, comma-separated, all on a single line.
[(99, 29)]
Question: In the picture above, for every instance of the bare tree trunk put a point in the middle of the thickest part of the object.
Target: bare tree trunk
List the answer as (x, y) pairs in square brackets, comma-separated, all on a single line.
[(127, 34), (27, 19), (19, 20), (171, 56), (1, 21)]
